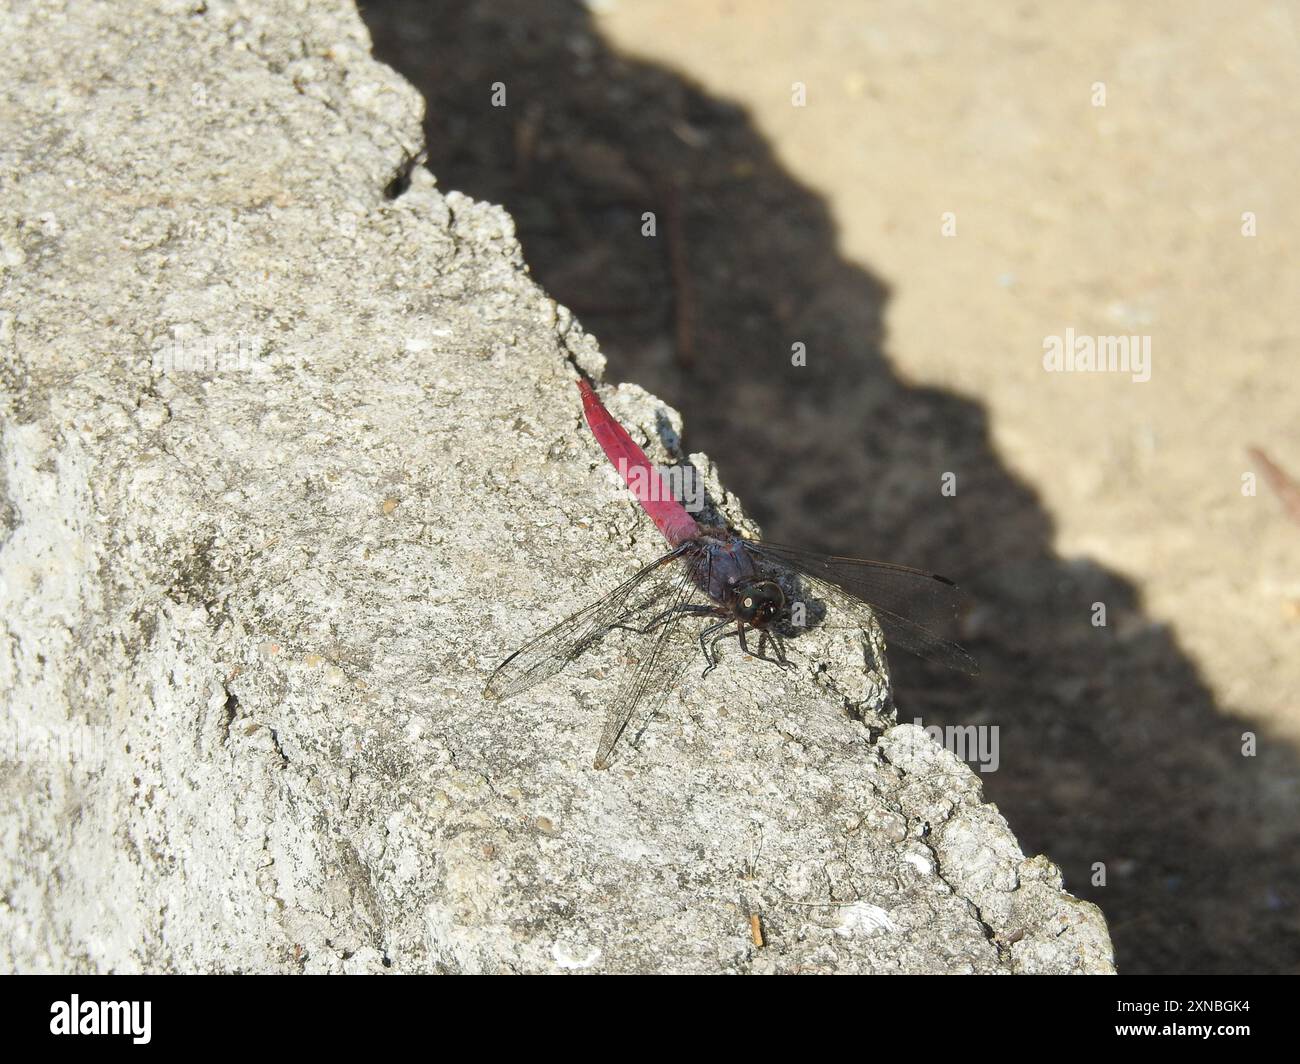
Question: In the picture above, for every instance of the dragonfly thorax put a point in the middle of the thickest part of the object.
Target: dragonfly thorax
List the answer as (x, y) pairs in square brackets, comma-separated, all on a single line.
[(757, 602)]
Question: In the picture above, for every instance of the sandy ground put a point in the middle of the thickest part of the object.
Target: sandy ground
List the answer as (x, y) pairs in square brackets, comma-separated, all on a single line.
[(824, 224)]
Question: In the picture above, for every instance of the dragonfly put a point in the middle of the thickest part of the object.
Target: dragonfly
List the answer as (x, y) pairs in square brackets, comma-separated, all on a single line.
[(727, 586)]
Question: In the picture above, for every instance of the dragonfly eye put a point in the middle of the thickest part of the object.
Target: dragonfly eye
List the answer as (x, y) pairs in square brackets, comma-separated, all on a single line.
[(759, 602)]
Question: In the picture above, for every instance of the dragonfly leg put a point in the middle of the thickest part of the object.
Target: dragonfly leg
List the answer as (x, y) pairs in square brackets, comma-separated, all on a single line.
[(709, 655), (713, 645), (778, 645), (710, 648), (663, 618)]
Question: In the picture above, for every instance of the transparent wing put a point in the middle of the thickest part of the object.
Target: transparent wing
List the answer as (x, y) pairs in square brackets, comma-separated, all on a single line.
[(913, 607), (548, 653), (658, 672)]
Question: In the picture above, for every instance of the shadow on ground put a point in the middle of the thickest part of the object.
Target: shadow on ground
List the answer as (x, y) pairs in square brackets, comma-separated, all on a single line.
[(1112, 748)]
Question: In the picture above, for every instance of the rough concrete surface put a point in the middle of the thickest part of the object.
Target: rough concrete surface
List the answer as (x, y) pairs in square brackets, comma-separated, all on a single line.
[(288, 467)]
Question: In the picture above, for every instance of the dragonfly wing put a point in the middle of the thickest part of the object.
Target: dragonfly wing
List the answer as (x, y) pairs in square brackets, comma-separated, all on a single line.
[(912, 605), (548, 653), (657, 673)]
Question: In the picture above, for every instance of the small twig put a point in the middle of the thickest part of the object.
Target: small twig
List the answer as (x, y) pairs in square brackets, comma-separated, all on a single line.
[(607, 310), (756, 929), (526, 136), (1285, 486), (679, 268)]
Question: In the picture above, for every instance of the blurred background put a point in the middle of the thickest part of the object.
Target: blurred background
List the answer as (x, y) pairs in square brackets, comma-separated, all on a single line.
[(962, 182)]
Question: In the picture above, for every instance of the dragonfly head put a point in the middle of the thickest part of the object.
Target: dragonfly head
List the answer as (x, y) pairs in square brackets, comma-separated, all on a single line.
[(758, 602)]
